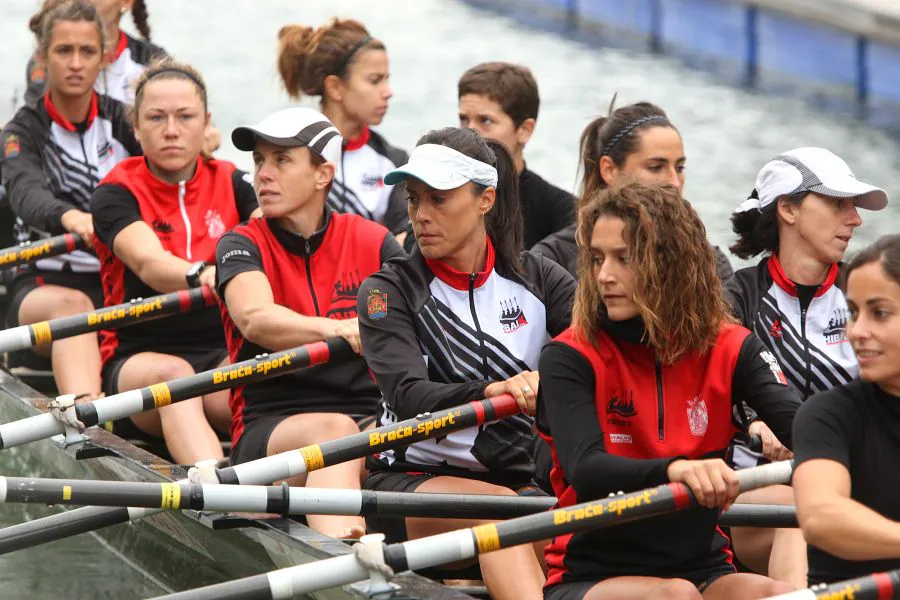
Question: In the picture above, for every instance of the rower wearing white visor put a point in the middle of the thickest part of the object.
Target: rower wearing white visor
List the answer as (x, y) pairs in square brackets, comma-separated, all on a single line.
[(801, 217), (462, 318)]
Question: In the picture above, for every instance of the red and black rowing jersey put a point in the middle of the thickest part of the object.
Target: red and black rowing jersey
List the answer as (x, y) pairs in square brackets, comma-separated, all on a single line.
[(317, 276), (615, 418), (188, 218)]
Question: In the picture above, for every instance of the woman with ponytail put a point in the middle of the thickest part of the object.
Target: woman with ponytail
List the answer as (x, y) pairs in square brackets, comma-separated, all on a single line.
[(462, 318), (128, 55), (347, 69)]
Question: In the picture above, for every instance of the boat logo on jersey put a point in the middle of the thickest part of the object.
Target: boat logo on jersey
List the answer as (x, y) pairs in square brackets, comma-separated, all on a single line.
[(162, 226), (774, 366), (343, 296), (511, 315), (215, 227), (105, 151), (377, 304), (836, 332), (698, 416), (11, 147), (372, 182), (623, 408)]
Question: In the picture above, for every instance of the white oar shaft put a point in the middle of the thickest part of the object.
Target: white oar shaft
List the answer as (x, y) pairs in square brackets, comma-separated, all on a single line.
[(15, 338)]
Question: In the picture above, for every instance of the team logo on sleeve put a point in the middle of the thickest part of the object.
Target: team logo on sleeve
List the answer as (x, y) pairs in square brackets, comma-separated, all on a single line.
[(376, 304), (774, 366), (11, 147), (38, 74), (698, 417), (511, 315)]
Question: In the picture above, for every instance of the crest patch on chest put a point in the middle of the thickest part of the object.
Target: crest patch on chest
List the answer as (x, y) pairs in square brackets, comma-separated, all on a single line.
[(511, 315), (698, 417)]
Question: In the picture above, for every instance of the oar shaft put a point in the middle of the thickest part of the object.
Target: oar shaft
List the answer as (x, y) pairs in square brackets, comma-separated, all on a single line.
[(34, 251), (759, 515), (111, 317), (877, 586)]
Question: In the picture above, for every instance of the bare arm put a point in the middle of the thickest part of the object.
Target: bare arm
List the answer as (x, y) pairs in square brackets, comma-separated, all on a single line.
[(141, 251)]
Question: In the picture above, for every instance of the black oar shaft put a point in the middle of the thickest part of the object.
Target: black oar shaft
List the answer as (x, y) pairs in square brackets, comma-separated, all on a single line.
[(34, 251), (65, 524)]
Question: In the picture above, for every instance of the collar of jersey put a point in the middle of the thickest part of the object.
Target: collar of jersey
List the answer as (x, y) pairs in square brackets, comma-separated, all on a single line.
[(785, 283), (359, 141), (296, 244), (62, 121), (120, 47), (458, 279)]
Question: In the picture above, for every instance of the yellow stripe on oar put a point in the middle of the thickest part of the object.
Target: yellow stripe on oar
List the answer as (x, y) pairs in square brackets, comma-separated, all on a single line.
[(313, 457), (162, 395), (171, 496), (42, 333), (487, 538), (67, 492)]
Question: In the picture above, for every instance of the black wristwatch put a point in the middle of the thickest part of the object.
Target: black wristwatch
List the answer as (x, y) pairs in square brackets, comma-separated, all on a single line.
[(193, 273)]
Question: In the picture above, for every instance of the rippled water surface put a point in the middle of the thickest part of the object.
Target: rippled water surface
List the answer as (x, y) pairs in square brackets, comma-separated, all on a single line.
[(729, 133)]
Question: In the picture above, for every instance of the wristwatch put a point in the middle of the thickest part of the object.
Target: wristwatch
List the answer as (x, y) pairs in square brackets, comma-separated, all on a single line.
[(193, 273)]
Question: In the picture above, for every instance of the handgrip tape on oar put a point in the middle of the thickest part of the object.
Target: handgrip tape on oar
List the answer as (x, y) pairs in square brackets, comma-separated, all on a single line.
[(111, 317), (34, 251), (162, 394)]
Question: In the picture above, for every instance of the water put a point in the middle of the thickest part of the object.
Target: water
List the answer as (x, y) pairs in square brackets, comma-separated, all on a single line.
[(729, 133)]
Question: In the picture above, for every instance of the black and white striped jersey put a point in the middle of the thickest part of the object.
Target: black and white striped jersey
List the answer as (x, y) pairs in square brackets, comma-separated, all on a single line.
[(51, 166), (810, 344), (434, 338), (359, 186)]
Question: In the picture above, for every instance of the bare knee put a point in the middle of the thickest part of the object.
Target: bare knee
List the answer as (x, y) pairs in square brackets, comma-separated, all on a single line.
[(678, 589), (335, 425), (172, 368)]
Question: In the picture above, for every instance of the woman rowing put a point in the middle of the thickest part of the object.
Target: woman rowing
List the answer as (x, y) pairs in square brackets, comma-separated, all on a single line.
[(55, 152), (801, 215), (348, 70), (846, 480), (157, 220), (291, 278), (643, 390), (463, 318), (635, 142)]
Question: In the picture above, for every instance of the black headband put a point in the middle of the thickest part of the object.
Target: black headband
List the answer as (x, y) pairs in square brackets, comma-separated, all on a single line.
[(187, 74), (628, 129), (349, 56)]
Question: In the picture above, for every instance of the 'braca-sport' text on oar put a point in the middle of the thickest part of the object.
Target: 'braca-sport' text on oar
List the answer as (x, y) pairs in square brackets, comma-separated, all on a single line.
[(111, 317), (129, 403), (269, 499), (273, 468), (468, 543), (35, 251), (877, 586)]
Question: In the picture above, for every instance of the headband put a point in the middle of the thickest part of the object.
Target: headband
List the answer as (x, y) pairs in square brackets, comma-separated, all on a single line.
[(347, 57), (628, 129), (178, 70)]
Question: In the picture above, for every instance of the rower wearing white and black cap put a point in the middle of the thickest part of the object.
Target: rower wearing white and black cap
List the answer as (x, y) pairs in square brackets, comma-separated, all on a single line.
[(291, 278), (801, 214)]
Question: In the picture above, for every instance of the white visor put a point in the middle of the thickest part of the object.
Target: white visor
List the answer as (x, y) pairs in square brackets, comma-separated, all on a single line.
[(443, 168)]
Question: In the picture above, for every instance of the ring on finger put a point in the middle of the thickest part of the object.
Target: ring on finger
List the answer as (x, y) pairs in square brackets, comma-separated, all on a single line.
[(527, 389)]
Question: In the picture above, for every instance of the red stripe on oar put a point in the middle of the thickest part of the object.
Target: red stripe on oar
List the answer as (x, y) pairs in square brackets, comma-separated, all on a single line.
[(505, 406), (884, 585), (479, 411), (184, 300), (681, 495), (318, 353), (208, 297), (70, 242)]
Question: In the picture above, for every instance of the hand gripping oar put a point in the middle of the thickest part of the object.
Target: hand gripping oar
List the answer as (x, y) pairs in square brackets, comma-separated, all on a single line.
[(468, 543), (877, 586), (269, 499), (34, 251), (111, 317), (273, 468), (119, 406)]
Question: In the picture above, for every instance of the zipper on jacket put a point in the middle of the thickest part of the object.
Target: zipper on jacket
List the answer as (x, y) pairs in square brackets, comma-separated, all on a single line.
[(312, 289), (484, 364), (184, 217), (87, 162), (661, 407), (806, 352)]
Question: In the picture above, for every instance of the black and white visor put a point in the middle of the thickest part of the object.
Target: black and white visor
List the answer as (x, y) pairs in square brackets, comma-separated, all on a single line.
[(291, 128), (443, 168), (811, 170)]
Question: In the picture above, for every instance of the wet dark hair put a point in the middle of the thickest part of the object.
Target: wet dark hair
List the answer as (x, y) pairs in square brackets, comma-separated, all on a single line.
[(504, 221), (615, 136), (54, 11), (511, 86), (757, 230), (139, 18), (885, 251)]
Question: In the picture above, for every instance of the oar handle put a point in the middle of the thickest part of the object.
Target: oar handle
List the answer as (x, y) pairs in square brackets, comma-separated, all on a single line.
[(34, 251), (877, 586)]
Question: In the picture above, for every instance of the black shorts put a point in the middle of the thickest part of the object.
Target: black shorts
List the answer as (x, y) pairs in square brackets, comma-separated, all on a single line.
[(254, 441), (577, 590), (394, 528), (26, 282)]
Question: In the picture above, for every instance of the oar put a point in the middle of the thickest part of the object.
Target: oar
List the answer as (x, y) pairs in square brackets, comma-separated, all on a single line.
[(129, 403), (468, 543), (34, 251), (877, 586), (268, 499), (273, 468), (111, 317), (760, 515)]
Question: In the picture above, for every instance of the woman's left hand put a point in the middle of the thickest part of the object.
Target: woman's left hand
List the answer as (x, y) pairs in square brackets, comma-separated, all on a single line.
[(772, 448)]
